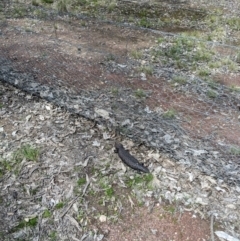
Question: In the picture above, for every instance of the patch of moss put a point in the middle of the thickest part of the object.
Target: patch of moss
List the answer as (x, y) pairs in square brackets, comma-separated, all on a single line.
[(139, 93), (30, 223), (235, 150), (47, 1), (179, 79), (59, 205), (53, 236), (211, 94), (139, 180), (109, 192), (81, 181), (170, 114), (26, 151), (46, 214)]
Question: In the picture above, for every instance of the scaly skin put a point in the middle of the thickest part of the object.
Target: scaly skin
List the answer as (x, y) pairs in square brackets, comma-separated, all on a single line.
[(128, 159)]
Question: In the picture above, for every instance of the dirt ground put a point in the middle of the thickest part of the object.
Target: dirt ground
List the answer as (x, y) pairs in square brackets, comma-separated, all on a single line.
[(77, 188)]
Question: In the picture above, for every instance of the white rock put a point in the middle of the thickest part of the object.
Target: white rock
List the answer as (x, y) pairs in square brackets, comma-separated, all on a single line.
[(96, 143), (231, 206), (190, 177), (102, 113), (41, 117), (102, 218), (106, 136), (148, 110), (198, 152), (225, 236), (201, 201), (28, 117), (143, 76)]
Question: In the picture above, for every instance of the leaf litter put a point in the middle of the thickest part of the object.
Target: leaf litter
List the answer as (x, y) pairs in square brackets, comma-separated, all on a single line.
[(77, 188)]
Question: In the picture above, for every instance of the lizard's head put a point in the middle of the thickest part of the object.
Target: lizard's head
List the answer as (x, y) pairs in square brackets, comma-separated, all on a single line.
[(118, 145)]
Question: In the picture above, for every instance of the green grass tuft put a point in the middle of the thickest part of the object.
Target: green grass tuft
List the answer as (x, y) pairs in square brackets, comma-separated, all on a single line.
[(46, 214), (211, 94), (81, 181), (59, 205), (170, 114), (47, 1), (23, 224), (139, 93), (26, 151), (109, 192)]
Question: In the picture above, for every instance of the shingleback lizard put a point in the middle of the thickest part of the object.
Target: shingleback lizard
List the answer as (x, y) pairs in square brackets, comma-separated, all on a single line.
[(128, 159)]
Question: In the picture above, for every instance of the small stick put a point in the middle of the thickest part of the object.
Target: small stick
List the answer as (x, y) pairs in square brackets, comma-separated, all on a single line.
[(211, 227), (75, 199)]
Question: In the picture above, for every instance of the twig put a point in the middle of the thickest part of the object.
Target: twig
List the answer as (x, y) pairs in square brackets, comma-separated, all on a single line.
[(74, 200), (211, 227)]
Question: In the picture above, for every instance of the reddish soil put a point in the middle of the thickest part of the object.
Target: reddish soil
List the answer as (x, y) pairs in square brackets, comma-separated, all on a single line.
[(74, 56), (158, 224)]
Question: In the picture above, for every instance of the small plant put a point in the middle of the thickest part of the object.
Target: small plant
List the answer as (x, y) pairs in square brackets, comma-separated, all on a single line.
[(202, 55), (53, 236), (81, 181), (110, 57), (29, 223), (170, 209), (147, 70), (40, 14), (235, 151), (140, 180), (12, 164), (226, 61), (234, 23), (33, 191), (111, 7), (148, 177), (212, 84), (28, 152), (136, 180), (35, 3), (47, 1), (233, 66), (214, 65), (139, 93), (204, 72), (235, 88), (62, 6), (136, 54), (179, 79), (19, 12), (46, 214), (170, 114), (5, 166), (109, 192), (80, 216), (160, 40), (59, 205), (211, 94), (144, 22), (114, 91)]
